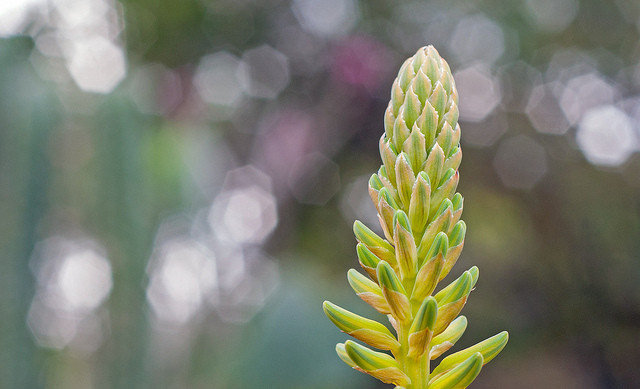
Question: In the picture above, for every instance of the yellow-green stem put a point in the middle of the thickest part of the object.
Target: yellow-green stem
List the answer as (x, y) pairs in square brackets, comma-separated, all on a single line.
[(417, 368)]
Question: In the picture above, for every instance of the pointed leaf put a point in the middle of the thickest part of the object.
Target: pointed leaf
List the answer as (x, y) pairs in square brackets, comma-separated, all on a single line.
[(400, 129), (455, 290), (380, 247), (412, 107), (456, 239), (406, 253), (438, 99), (368, 260), (380, 365), (404, 179), (422, 327), (448, 185), (460, 376), (443, 342), (447, 313), (368, 291), (428, 275), (422, 86), (389, 121), (488, 348), (367, 330), (415, 149), (433, 166), (419, 205), (393, 291), (440, 223), (388, 158)]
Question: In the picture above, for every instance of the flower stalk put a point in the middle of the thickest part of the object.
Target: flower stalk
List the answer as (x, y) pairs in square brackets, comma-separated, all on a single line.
[(419, 211)]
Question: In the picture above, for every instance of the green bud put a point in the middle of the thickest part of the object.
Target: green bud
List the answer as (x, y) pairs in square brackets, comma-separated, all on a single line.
[(401, 218), (406, 253), (386, 212), (488, 348), (457, 201), (393, 291), (404, 179), (455, 290), (374, 187), (453, 161), (428, 124), (446, 79), (415, 149), (438, 99), (475, 272), (434, 165), (388, 158), (412, 107), (389, 121), (368, 291), (422, 327), (418, 58), (397, 98), (342, 353), (406, 74), (445, 139), (443, 342), (419, 204), (400, 129), (380, 247), (375, 183), (367, 330), (460, 376), (422, 86), (368, 260), (428, 275), (439, 224), (384, 179), (430, 65), (451, 116), (456, 240), (448, 312), (447, 188), (380, 365)]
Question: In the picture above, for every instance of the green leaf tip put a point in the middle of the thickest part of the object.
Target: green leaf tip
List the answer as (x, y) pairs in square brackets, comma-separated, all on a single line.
[(367, 330)]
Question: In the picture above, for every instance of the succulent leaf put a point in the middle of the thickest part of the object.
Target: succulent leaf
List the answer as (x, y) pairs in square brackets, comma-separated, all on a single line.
[(422, 327), (460, 376), (380, 365), (449, 337), (488, 348), (367, 330), (393, 292), (368, 291)]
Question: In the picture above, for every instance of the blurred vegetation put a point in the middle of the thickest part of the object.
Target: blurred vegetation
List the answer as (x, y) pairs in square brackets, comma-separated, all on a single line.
[(179, 181)]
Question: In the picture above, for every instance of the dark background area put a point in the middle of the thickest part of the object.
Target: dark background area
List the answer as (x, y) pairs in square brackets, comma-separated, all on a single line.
[(178, 182)]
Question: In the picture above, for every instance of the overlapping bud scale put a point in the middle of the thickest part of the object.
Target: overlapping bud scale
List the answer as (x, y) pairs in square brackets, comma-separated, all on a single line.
[(419, 211)]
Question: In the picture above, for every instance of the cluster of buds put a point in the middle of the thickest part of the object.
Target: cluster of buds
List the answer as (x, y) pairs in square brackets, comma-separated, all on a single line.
[(419, 211)]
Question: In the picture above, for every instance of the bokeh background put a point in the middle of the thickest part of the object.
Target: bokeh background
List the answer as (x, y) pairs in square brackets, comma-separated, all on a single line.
[(178, 182)]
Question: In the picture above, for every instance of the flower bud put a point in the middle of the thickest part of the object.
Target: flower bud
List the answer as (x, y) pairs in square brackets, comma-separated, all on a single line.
[(367, 330), (393, 292)]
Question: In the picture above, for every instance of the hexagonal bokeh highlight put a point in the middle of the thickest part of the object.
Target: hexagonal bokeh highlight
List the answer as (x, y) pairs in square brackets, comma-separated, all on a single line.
[(264, 72), (479, 93), (520, 162), (606, 136)]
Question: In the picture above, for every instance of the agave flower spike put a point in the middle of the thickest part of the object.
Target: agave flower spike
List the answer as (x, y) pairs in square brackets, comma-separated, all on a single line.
[(419, 210)]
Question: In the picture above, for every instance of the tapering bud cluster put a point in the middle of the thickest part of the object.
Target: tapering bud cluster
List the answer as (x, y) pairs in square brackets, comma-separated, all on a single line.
[(419, 210)]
